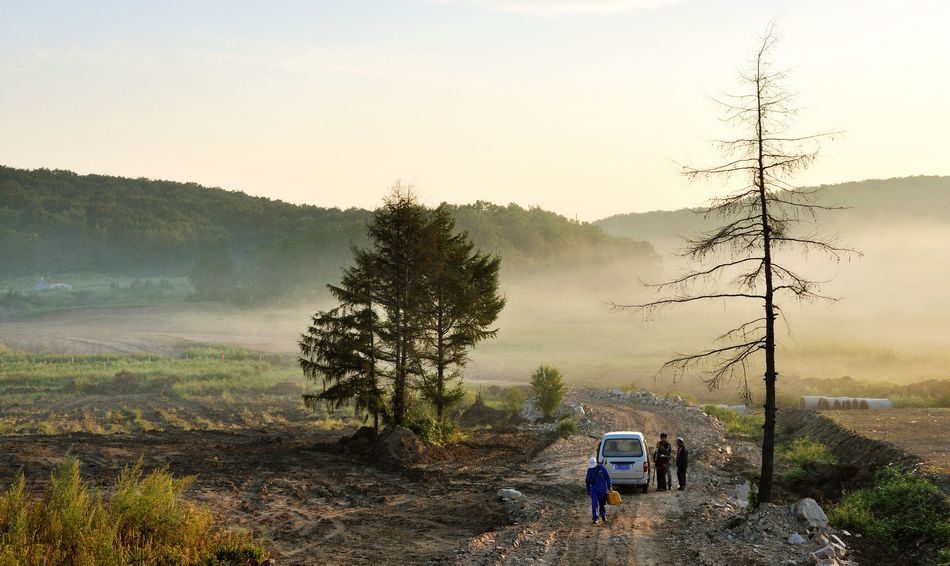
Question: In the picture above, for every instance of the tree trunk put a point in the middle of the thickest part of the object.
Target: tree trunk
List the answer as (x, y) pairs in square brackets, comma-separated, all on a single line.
[(440, 370), (768, 439)]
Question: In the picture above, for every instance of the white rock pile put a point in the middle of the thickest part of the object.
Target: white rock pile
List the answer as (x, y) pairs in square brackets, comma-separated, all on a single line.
[(799, 532)]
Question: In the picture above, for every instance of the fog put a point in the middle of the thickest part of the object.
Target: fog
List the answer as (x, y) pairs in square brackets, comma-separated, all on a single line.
[(888, 324)]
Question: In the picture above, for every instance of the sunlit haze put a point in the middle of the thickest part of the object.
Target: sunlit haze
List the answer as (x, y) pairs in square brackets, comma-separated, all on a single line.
[(581, 107)]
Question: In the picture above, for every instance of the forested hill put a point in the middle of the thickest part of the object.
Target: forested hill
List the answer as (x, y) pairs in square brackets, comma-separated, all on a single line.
[(922, 199), (58, 222)]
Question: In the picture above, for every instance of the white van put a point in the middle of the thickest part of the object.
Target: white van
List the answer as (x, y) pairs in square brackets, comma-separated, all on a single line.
[(626, 458)]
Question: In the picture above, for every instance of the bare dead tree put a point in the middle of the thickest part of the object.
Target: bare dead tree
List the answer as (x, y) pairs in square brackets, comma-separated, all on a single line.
[(739, 257)]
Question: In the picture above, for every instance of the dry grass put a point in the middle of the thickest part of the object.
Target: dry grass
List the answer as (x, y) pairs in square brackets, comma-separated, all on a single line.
[(145, 521)]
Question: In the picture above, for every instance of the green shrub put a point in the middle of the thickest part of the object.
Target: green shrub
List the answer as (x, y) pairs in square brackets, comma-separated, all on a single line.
[(549, 387), (900, 509), (513, 400), (430, 428), (145, 522), (801, 451), (794, 473), (567, 426), (748, 426)]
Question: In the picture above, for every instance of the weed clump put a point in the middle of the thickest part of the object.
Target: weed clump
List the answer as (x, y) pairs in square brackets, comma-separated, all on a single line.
[(741, 426), (901, 510), (145, 521), (567, 426), (803, 451)]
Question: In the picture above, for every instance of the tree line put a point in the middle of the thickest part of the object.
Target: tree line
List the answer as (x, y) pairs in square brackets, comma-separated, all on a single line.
[(411, 305), (236, 247)]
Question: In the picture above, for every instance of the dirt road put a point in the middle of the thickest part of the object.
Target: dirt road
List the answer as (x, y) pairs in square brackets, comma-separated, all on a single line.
[(317, 504), (640, 531)]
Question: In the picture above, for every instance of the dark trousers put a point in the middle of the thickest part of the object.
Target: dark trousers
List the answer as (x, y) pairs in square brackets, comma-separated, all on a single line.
[(681, 475), (661, 475), (598, 500)]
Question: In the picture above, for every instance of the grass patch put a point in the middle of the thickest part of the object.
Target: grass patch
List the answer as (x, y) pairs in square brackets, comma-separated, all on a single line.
[(146, 521), (800, 452), (901, 509), (748, 427), (108, 393)]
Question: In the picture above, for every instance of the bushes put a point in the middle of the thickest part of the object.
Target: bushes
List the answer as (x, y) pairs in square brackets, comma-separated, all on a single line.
[(430, 428), (800, 452), (567, 426), (549, 387), (748, 427), (144, 522), (901, 509)]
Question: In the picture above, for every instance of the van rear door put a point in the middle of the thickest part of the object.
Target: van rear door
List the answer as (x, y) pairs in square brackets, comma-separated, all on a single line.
[(625, 457)]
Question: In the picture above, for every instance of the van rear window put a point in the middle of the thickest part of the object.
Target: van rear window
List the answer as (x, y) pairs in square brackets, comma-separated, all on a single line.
[(622, 448)]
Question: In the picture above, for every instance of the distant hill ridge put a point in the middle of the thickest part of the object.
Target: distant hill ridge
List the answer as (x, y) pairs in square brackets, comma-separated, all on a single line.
[(55, 221), (921, 198)]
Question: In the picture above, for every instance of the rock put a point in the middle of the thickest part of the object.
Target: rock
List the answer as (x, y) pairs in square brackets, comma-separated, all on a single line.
[(837, 541), (808, 512), (795, 538), (579, 411), (510, 493), (529, 410), (826, 551)]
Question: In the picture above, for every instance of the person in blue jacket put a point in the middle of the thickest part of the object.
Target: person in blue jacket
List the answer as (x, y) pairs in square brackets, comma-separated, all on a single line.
[(598, 484)]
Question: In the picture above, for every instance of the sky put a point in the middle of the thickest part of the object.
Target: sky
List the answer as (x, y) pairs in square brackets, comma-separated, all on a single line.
[(583, 107)]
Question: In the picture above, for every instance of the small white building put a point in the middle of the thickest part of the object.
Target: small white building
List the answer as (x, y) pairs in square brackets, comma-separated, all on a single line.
[(44, 285)]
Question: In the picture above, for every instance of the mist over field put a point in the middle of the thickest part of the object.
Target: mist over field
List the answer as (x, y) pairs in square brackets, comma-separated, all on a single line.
[(558, 276)]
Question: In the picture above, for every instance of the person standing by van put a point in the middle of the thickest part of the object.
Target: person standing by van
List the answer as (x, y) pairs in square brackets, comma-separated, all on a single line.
[(682, 460), (598, 484), (661, 460)]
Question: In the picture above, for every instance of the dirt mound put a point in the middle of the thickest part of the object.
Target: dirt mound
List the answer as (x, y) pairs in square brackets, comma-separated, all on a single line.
[(398, 446), (395, 448), (481, 414)]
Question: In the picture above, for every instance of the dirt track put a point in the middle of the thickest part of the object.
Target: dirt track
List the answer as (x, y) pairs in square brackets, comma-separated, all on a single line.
[(638, 531), (316, 504)]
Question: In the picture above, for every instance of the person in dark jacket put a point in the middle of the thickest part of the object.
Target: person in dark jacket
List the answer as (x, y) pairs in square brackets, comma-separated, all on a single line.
[(661, 461), (682, 460), (598, 484)]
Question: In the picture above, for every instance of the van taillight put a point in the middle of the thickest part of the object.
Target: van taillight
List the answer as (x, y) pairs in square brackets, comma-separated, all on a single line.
[(646, 467)]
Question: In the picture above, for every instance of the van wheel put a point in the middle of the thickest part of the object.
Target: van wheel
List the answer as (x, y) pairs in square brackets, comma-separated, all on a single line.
[(646, 488)]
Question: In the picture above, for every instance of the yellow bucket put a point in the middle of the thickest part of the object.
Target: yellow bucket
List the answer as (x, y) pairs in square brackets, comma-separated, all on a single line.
[(613, 497)]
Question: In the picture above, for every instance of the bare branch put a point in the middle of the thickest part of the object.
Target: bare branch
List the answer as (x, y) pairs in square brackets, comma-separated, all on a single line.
[(677, 300), (697, 274)]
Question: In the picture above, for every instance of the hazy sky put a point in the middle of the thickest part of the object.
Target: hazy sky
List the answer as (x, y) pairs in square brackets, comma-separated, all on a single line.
[(578, 106)]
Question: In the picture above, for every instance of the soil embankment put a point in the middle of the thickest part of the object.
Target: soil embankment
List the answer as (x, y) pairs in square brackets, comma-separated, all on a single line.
[(848, 446)]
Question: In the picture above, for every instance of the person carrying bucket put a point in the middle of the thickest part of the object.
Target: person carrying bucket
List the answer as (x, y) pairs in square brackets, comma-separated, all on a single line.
[(598, 484)]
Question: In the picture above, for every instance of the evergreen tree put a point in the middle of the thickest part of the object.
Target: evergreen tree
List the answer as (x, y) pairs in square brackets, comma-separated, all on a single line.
[(340, 349), (462, 303), (411, 307)]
